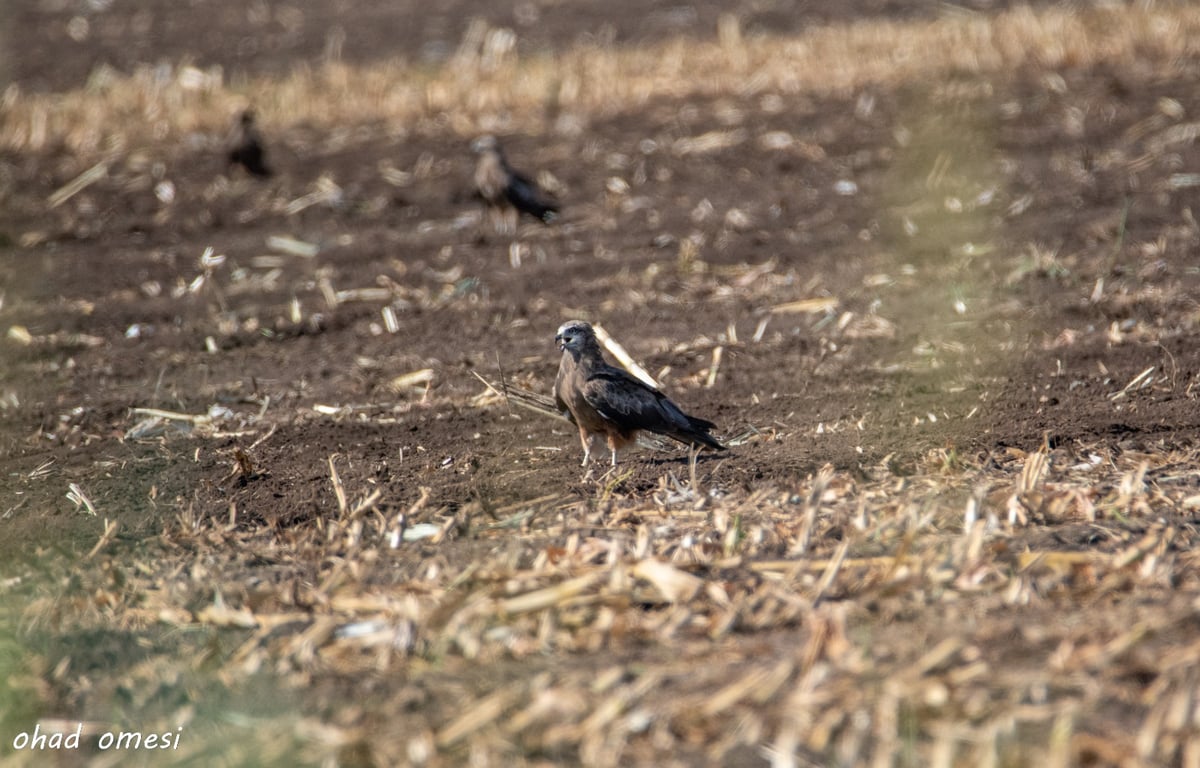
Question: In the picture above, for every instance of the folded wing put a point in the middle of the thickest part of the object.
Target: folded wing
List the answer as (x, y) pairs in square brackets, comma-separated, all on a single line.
[(526, 197), (631, 405)]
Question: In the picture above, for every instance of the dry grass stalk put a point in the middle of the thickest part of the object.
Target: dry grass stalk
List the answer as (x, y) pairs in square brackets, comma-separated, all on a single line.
[(673, 584), (293, 246), (339, 491), (1033, 471), (159, 413), (711, 379), (482, 713), (405, 381), (219, 614), (110, 530), (818, 305), (21, 335), (831, 572), (78, 184), (624, 358), (1141, 380), (79, 498), (533, 401), (760, 685), (553, 595)]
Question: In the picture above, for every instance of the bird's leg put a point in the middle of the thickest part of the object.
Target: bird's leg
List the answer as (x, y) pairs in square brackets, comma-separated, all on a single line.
[(612, 447), (586, 440)]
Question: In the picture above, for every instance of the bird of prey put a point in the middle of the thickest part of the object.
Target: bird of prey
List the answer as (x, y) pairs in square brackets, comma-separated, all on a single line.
[(505, 190), (605, 400), (246, 148)]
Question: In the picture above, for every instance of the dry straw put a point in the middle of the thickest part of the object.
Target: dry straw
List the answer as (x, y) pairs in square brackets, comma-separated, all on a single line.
[(116, 112)]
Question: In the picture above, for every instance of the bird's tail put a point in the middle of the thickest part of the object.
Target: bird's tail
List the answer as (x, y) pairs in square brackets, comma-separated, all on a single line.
[(527, 198), (540, 209), (698, 434)]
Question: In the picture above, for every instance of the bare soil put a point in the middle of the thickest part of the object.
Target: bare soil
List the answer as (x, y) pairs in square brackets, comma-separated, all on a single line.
[(1002, 258)]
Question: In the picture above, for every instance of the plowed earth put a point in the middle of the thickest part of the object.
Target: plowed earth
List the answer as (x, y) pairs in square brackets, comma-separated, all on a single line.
[(998, 263)]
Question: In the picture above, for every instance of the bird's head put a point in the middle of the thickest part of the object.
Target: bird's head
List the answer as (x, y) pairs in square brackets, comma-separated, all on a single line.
[(574, 336)]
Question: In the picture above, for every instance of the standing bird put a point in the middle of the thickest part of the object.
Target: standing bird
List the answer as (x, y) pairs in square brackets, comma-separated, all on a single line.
[(246, 148), (604, 400), (507, 190)]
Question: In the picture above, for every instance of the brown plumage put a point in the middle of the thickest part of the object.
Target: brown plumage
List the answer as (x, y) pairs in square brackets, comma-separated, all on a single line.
[(246, 147), (506, 190), (604, 400)]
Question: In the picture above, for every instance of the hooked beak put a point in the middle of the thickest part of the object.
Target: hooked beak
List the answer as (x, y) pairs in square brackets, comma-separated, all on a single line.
[(560, 342)]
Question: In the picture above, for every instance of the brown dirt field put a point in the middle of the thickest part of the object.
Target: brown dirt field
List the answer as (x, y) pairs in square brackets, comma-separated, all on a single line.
[(1009, 263)]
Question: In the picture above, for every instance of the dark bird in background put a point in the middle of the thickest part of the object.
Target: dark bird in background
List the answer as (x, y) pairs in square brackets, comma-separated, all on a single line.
[(605, 400), (246, 147), (506, 190)]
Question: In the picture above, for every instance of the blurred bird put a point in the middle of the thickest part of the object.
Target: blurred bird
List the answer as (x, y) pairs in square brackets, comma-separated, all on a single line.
[(604, 400), (505, 190), (246, 148)]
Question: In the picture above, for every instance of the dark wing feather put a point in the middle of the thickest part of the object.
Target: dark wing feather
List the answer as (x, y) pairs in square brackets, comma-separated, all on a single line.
[(251, 157), (527, 198), (631, 405)]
